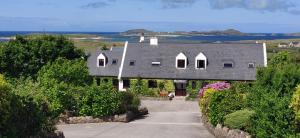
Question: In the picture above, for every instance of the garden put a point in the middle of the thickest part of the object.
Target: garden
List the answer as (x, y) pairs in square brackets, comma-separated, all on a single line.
[(268, 107), (44, 77)]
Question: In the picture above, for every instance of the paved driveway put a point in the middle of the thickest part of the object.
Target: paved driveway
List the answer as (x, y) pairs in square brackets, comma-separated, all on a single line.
[(167, 119)]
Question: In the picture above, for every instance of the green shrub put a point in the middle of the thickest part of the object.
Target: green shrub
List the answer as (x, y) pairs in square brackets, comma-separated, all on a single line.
[(223, 103), (73, 72), (22, 113), (193, 92), (25, 56), (271, 96), (100, 101), (129, 102), (239, 119), (295, 104), (273, 117), (140, 87), (205, 100)]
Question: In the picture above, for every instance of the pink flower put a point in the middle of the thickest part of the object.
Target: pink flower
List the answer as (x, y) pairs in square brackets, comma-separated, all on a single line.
[(217, 86)]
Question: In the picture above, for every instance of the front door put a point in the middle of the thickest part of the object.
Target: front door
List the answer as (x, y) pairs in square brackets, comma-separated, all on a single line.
[(180, 89)]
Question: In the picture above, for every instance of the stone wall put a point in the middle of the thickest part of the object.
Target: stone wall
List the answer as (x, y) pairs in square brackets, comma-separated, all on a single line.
[(127, 117), (224, 132)]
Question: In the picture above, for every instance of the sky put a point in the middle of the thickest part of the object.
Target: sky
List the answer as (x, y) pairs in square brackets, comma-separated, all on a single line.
[(251, 16)]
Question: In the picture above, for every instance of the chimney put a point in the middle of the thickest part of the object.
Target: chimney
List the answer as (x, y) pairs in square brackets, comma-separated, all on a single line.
[(142, 38), (153, 41)]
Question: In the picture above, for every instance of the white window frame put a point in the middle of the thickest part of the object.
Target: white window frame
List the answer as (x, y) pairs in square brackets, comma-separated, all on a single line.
[(181, 56), (101, 56), (201, 56)]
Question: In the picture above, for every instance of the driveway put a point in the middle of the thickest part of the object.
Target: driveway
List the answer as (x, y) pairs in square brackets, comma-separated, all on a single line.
[(166, 119)]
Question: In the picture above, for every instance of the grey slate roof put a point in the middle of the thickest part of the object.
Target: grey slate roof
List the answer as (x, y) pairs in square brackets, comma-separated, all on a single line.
[(217, 54), (110, 70)]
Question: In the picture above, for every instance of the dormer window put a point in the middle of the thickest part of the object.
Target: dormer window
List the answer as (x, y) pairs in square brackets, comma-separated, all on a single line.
[(201, 61), (181, 61), (102, 60)]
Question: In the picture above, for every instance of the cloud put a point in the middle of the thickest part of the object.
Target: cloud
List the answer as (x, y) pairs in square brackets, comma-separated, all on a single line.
[(173, 4), (257, 5), (94, 5)]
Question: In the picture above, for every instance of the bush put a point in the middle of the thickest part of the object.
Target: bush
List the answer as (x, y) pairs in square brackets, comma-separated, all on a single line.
[(193, 92), (25, 56), (22, 115), (295, 104), (271, 96), (100, 101), (239, 119), (223, 103), (273, 117), (140, 87), (205, 100), (129, 102), (73, 72)]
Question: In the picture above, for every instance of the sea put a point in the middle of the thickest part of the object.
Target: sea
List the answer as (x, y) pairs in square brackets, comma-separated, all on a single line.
[(117, 37)]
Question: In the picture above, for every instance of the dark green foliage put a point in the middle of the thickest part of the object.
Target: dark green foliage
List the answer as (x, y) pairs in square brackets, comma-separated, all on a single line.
[(23, 116), (193, 91), (140, 87), (239, 119), (73, 72), (273, 116), (100, 101), (223, 103), (271, 96), (129, 102), (26, 55)]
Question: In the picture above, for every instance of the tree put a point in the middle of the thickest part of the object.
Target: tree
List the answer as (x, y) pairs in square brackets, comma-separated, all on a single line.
[(73, 72), (27, 54)]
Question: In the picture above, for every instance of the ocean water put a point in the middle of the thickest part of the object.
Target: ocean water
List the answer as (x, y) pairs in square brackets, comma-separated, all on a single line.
[(116, 37)]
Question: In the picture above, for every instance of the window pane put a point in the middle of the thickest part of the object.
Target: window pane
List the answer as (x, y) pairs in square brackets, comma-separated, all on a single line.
[(115, 61), (101, 62), (228, 65), (152, 84), (126, 83), (200, 64), (132, 63), (180, 63)]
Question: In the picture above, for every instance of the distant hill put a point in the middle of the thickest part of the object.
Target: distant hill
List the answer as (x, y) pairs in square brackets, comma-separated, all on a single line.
[(137, 32), (225, 32)]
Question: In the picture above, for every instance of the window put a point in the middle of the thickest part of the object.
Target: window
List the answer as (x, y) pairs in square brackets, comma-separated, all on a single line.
[(228, 65), (114, 61), (155, 63), (126, 83), (180, 63), (132, 63), (98, 81), (101, 62), (200, 61), (152, 84), (201, 64), (194, 85), (251, 65), (116, 83)]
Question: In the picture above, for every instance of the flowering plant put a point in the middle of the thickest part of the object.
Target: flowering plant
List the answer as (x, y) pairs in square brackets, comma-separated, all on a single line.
[(218, 86)]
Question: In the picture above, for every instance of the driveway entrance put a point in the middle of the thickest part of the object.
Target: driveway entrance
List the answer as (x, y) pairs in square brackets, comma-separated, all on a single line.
[(166, 119)]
